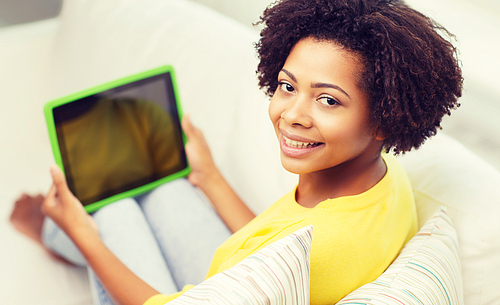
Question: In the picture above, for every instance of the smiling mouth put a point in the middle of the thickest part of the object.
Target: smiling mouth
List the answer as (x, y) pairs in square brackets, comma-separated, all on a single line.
[(298, 144)]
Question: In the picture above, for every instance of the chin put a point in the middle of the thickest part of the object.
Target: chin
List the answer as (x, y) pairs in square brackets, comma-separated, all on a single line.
[(294, 168)]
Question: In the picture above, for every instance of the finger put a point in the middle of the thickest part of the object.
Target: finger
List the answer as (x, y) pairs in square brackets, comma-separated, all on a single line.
[(191, 178), (50, 200), (52, 192), (188, 127), (60, 183)]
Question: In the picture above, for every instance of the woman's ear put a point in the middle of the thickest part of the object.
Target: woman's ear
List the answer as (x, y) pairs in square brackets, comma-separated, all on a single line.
[(379, 135)]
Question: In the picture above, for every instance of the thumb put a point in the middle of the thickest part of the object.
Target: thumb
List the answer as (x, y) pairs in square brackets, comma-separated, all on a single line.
[(187, 126), (60, 183), (49, 201)]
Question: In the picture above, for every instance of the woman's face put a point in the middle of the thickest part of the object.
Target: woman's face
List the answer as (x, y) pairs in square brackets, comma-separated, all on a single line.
[(320, 115)]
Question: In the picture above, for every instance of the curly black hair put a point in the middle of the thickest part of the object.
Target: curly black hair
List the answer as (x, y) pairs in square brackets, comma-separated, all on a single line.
[(412, 75)]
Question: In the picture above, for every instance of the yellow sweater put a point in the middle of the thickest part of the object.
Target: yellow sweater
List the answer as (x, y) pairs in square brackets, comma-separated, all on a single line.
[(355, 237)]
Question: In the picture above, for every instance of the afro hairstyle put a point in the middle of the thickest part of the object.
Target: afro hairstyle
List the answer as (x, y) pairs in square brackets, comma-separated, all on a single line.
[(411, 72)]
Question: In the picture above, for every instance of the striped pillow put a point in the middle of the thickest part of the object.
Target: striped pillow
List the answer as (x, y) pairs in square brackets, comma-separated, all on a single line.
[(276, 274), (426, 272)]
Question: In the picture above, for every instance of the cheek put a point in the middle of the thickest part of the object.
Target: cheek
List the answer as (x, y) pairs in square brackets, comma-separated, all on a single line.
[(358, 135), (348, 130)]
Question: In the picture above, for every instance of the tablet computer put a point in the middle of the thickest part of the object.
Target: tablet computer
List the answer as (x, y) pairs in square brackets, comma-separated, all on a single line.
[(119, 139)]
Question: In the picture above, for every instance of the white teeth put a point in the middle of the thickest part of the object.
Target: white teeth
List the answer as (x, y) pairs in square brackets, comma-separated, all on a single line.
[(297, 144)]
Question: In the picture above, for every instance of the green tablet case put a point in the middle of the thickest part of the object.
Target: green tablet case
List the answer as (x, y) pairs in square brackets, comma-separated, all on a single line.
[(119, 139)]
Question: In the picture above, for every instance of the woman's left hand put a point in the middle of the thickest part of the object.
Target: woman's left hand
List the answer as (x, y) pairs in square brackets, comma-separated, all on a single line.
[(68, 213), (203, 168)]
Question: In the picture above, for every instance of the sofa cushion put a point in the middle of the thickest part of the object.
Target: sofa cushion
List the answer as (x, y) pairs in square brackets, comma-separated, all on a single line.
[(276, 274), (427, 271), (444, 172)]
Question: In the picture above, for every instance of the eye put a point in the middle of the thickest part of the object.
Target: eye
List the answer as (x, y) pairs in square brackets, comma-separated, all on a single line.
[(328, 101), (286, 87)]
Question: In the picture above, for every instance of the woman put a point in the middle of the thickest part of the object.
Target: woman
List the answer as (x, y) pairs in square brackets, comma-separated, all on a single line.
[(348, 80)]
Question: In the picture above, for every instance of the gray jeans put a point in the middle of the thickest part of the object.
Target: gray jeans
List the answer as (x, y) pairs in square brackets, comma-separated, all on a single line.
[(167, 237)]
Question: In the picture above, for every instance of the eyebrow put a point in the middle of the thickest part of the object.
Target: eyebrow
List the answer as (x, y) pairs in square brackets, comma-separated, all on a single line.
[(316, 85)]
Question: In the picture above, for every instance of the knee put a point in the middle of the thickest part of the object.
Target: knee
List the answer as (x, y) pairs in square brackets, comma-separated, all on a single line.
[(59, 243), (177, 185), (119, 210), (173, 189)]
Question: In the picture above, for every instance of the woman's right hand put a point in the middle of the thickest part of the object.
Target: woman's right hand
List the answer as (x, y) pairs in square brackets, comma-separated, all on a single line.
[(205, 175), (200, 159), (66, 210)]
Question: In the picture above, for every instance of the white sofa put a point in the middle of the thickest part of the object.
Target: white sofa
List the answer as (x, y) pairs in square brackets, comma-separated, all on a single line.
[(93, 42)]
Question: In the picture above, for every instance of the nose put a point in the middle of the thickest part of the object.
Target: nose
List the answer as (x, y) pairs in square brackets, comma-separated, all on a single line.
[(297, 112)]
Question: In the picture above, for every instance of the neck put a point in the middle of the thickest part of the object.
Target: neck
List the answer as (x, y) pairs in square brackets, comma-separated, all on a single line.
[(347, 179)]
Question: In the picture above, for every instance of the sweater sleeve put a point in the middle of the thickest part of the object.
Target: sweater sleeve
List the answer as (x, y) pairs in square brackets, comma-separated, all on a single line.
[(161, 299)]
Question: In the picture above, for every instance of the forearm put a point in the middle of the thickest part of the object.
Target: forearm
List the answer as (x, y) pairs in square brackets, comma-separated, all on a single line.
[(233, 211), (68, 213), (120, 283)]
